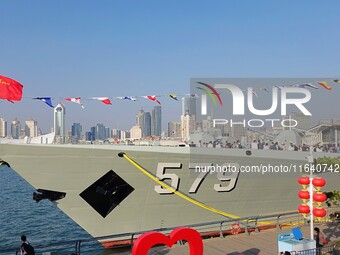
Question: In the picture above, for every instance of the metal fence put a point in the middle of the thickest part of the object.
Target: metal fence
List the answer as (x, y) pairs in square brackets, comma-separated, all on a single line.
[(330, 250), (208, 229)]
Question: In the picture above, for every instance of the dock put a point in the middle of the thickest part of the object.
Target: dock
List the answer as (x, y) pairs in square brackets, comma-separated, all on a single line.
[(263, 242)]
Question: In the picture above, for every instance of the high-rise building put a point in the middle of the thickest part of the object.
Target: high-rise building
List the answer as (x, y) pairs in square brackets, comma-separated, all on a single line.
[(136, 132), (189, 106), (188, 125), (125, 134), (100, 132), (174, 129), (31, 128), (76, 131), (139, 118), (88, 136), (68, 137), (15, 129), (3, 127), (143, 120), (59, 123), (116, 133), (107, 133), (156, 127), (147, 124), (93, 133)]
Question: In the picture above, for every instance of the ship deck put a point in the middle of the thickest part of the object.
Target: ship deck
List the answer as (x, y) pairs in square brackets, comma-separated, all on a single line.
[(264, 242)]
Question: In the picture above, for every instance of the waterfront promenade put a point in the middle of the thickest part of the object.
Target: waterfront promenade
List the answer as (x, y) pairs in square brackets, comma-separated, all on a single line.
[(264, 242)]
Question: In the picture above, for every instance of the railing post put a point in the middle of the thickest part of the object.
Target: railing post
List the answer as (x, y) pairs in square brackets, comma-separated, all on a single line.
[(278, 222), (131, 240), (221, 231), (246, 228), (76, 248), (77, 251), (257, 230)]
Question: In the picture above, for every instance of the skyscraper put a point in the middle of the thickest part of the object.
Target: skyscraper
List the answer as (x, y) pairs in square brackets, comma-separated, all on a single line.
[(146, 124), (59, 123), (15, 129), (143, 120), (174, 129), (188, 117), (93, 134), (189, 106), (107, 132), (156, 127), (88, 136), (125, 134), (188, 125), (76, 131), (3, 127), (139, 118), (100, 132), (116, 133), (31, 128)]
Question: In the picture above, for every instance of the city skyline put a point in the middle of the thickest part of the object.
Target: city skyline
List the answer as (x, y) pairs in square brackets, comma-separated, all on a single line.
[(188, 130), (188, 105), (85, 123), (155, 49), (151, 122)]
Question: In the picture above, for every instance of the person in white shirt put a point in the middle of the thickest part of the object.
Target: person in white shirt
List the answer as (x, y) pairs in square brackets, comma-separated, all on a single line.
[(254, 145), (291, 147)]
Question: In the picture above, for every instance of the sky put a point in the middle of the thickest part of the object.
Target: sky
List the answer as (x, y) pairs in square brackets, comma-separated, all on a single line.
[(135, 48)]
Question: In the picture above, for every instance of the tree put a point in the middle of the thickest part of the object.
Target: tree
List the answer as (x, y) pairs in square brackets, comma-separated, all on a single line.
[(333, 197)]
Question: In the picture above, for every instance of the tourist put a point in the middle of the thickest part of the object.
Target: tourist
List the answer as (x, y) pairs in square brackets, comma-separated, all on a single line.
[(273, 146), (319, 239), (260, 145), (291, 146), (254, 145), (26, 247)]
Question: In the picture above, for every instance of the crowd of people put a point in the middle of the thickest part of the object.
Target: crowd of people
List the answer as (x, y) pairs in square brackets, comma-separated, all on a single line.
[(262, 145)]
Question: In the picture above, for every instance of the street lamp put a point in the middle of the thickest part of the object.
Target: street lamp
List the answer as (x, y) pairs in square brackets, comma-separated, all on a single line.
[(310, 160)]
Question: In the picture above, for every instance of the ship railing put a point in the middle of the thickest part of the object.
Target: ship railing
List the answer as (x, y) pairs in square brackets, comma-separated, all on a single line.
[(207, 229)]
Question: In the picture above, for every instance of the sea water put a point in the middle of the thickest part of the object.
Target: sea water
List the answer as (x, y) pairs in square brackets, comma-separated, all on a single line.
[(43, 223)]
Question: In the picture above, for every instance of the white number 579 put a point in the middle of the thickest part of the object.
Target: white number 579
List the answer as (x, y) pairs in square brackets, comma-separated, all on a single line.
[(171, 179)]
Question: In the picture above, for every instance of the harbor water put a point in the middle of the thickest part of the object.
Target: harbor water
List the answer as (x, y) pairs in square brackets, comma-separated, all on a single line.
[(43, 223)]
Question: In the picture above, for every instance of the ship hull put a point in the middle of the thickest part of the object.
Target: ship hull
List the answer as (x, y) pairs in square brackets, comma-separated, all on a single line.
[(73, 169)]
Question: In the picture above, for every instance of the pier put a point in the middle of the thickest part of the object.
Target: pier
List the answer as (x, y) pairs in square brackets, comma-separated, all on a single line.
[(252, 239), (263, 242)]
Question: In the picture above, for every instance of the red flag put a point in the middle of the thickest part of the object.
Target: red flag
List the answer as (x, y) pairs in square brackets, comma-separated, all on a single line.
[(153, 98), (10, 89), (104, 100), (75, 100)]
